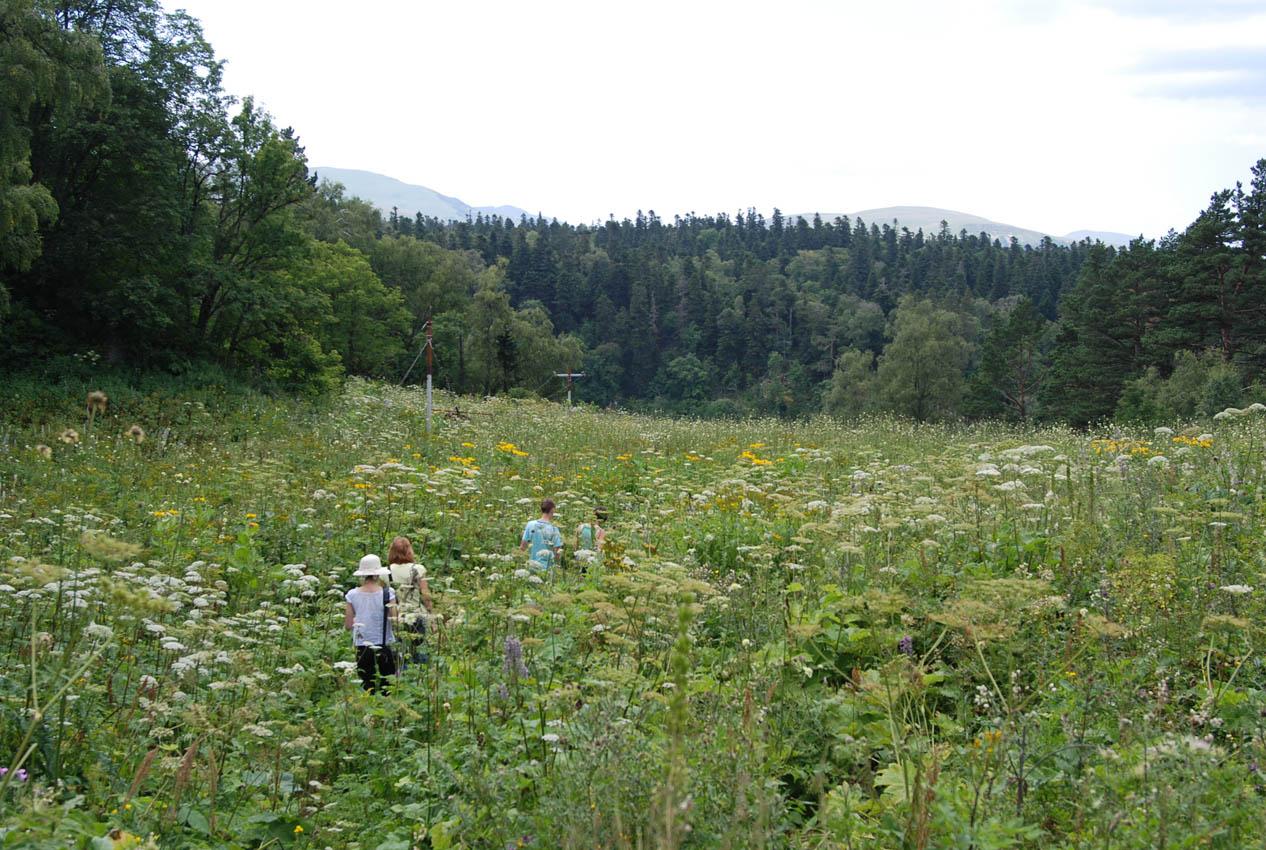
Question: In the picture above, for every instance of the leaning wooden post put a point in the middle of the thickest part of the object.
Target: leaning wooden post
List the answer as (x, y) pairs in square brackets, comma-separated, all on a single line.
[(428, 376)]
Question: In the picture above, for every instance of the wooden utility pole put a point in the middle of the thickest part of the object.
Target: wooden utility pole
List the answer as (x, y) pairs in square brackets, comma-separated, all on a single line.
[(569, 374)]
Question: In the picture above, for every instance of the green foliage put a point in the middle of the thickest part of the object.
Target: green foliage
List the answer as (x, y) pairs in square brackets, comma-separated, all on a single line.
[(853, 386), (47, 70), (173, 226), (1012, 365), (1200, 385), (920, 373), (798, 634)]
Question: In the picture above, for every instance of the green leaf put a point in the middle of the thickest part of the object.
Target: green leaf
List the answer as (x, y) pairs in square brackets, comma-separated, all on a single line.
[(894, 779), (857, 635), (196, 821), (442, 834), (397, 840)]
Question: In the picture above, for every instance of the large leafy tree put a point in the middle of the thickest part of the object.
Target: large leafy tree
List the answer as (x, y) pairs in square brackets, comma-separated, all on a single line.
[(47, 70), (242, 226), (431, 279), (921, 371), (852, 389), (116, 171), (351, 311)]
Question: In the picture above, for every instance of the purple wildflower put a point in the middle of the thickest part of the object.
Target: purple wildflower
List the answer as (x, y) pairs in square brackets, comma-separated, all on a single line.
[(513, 665), (906, 645)]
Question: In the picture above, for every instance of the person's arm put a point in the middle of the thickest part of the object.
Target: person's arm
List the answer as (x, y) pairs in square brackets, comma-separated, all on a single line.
[(523, 544), (349, 616), (392, 607), (426, 594)]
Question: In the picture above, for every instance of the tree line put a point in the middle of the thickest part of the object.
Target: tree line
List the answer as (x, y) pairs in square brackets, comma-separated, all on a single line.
[(150, 219)]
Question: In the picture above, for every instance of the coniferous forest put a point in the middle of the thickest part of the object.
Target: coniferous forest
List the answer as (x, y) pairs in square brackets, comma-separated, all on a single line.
[(154, 223)]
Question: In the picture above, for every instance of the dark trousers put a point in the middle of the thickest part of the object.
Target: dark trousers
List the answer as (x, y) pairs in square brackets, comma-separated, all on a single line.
[(375, 664)]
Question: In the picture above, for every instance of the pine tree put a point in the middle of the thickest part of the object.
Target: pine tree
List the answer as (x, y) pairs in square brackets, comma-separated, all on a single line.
[(1012, 364)]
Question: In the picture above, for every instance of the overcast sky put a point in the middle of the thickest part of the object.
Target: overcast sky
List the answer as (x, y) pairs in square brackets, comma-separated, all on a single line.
[(1121, 115)]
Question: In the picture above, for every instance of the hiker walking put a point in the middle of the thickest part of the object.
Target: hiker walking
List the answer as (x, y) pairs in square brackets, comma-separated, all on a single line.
[(367, 616), (590, 535), (543, 537), (414, 596)]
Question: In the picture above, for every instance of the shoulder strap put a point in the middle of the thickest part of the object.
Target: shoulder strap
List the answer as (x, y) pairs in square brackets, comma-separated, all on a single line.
[(384, 616)]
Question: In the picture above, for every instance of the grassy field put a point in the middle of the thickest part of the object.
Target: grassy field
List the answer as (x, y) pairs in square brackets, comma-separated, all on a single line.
[(800, 635)]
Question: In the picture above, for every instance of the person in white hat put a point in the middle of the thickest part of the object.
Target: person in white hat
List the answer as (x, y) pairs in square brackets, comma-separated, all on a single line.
[(367, 618)]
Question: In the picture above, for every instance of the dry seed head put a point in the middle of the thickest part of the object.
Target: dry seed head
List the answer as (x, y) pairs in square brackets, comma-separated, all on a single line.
[(107, 548), (44, 451), (136, 433), (137, 601), (70, 436), (40, 572), (141, 773), (97, 401)]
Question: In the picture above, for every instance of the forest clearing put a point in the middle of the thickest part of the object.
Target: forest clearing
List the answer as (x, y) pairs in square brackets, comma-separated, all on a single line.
[(799, 634)]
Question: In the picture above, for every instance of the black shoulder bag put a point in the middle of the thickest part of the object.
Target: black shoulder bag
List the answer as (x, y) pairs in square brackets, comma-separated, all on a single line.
[(388, 664)]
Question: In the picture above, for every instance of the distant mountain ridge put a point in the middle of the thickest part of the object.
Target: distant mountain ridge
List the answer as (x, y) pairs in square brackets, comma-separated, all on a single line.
[(930, 218), (409, 199)]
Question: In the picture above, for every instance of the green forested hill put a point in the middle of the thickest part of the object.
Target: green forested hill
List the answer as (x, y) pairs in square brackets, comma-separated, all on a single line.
[(153, 222)]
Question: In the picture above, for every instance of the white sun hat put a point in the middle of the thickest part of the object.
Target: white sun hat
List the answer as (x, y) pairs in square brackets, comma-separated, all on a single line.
[(370, 565)]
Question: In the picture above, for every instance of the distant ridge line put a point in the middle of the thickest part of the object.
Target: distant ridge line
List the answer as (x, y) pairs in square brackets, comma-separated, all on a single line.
[(929, 220), (409, 199)]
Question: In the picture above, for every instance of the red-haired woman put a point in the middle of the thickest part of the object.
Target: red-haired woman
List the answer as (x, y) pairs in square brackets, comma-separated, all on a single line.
[(414, 597)]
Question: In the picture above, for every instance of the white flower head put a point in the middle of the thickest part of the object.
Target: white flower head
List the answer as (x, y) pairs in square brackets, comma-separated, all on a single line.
[(96, 630)]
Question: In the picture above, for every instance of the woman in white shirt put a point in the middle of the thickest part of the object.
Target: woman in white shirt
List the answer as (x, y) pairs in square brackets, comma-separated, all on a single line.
[(366, 617)]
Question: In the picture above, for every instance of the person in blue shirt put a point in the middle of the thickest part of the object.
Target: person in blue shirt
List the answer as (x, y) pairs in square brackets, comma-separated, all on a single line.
[(591, 535), (543, 537)]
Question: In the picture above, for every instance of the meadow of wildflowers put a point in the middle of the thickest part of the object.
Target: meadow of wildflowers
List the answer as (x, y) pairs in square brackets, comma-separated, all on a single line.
[(864, 635)]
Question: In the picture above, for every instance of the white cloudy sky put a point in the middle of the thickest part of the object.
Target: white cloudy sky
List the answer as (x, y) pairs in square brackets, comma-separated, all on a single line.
[(1121, 115)]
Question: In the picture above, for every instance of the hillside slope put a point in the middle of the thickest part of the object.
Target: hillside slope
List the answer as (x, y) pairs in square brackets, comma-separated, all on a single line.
[(388, 192)]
